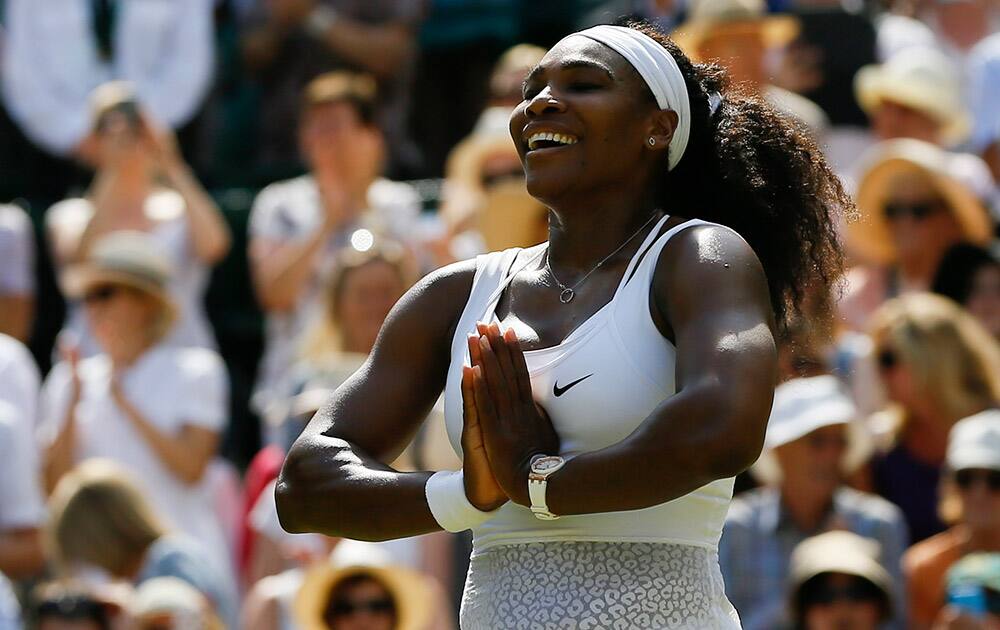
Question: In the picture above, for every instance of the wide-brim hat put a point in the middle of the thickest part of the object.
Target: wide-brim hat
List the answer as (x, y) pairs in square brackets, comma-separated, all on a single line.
[(127, 258), (712, 16), (173, 597), (923, 79), (409, 590), (869, 237), (803, 405), (838, 552)]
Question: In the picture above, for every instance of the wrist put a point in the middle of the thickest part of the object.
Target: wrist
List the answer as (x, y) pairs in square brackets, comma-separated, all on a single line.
[(449, 504), (523, 475)]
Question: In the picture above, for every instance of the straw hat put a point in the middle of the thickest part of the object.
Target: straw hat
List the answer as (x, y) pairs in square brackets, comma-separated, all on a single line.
[(869, 237), (838, 552), (175, 599), (710, 16), (128, 258), (410, 591), (803, 405), (921, 78)]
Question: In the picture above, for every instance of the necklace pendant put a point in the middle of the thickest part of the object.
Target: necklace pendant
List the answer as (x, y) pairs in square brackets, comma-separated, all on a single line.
[(566, 296)]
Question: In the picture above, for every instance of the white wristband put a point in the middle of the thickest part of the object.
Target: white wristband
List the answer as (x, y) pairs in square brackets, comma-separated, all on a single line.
[(445, 491)]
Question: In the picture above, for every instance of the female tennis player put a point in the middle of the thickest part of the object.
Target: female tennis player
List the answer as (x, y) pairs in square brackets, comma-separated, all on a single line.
[(604, 387)]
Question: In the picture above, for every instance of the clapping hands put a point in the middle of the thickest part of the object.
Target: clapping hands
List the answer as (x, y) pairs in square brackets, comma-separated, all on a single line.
[(503, 426)]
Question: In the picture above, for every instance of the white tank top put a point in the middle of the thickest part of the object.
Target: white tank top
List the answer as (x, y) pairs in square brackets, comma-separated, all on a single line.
[(597, 386)]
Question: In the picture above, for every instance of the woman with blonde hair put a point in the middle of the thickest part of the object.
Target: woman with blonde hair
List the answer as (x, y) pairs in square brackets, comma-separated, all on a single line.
[(100, 520), (938, 365), (155, 409)]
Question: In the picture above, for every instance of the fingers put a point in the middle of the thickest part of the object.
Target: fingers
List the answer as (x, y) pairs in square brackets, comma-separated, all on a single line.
[(499, 388), (502, 353), (520, 366), (484, 403)]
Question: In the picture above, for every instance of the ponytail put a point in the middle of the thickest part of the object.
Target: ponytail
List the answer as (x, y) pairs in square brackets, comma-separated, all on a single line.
[(756, 171)]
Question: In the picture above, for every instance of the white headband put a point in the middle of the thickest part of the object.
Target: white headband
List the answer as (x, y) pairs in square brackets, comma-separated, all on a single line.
[(659, 70)]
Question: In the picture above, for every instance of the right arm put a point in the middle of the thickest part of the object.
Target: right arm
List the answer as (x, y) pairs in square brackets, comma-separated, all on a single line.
[(336, 479)]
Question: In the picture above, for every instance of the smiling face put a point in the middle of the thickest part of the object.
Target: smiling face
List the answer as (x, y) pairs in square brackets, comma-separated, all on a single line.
[(584, 124)]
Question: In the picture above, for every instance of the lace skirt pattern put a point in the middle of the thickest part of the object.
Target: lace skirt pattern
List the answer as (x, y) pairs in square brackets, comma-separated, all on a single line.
[(596, 585)]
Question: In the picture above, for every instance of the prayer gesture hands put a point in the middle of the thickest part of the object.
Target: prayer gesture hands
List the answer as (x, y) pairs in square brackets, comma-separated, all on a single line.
[(503, 426)]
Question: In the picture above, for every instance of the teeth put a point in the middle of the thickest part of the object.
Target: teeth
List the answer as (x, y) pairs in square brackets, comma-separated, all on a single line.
[(537, 137)]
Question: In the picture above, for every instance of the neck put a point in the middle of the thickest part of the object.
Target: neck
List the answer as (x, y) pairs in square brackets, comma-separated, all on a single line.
[(584, 233), (927, 436), (982, 539), (919, 270), (127, 354), (804, 504)]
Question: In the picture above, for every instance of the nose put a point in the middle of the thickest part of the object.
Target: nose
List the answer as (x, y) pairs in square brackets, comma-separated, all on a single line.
[(544, 103)]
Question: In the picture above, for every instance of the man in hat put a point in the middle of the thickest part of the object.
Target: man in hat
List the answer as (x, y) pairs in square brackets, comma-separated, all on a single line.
[(739, 34), (298, 225), (838, 582), (807, 447)]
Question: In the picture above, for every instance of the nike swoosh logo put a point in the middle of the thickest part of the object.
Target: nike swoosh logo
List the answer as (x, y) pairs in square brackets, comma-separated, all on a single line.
[(559, 391)]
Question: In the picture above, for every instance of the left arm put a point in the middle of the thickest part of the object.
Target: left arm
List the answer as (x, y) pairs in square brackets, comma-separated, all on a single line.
[(208, 231), (711, 289), (186, 454)]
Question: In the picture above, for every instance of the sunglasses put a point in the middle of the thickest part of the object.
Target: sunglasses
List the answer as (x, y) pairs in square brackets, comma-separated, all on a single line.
[(917, 211), (857, 591), (101, 294), (887, 359), (346, 607), (968, 477)]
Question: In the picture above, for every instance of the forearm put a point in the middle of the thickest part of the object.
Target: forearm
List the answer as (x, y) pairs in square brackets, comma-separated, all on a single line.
[(282, 276), (58, 457), (176, 453), (207, 229), (21, 553), (15, 316), (329, 486), (691, 440), (380, 49)]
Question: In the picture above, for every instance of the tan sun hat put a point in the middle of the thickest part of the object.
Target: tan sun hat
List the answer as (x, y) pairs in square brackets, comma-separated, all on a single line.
[(869, 237), (410, 591), (709, 16), (128, 258), (172, 600), (922, 78)]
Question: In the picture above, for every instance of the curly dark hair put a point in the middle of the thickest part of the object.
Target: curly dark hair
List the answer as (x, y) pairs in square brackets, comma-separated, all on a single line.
[(758, 172)]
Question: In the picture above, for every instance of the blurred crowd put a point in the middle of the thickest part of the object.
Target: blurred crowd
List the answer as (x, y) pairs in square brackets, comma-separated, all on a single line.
[(216, 203)]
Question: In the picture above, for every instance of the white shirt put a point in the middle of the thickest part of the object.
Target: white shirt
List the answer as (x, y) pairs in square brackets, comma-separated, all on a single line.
[(171, 388), (189, 276), (21, 502), (19, 378), (51, 63), (17, 251), (290, 211)]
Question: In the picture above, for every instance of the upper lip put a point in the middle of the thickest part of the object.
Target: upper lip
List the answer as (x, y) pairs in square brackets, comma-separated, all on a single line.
[(533, 128)]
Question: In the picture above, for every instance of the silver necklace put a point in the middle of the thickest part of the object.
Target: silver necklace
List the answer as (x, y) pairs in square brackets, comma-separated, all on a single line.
[(568, 293)]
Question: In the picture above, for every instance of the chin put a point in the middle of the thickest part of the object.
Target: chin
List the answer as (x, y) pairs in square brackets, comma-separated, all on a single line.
[(549, 187)]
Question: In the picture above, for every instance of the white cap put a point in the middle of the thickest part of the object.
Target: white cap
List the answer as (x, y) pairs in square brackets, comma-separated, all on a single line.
[(975, 442), (803, 405)]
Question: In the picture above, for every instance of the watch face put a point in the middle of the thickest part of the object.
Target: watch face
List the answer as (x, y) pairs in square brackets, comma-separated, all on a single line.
[(545, 464)]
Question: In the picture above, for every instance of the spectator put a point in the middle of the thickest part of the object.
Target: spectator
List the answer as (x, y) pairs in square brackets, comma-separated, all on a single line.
[(66, 605), (179, 215), (22, 508), (288, 43), (54, 58), (970, 503), (169, 602), (914, 207), (916, 94), (739, 34), (100, 520), (937, 365), (10, 610), (808, 437), (970, 275), (983, 72), (298, 226), (157, 410), (17, 275), (839, 583)]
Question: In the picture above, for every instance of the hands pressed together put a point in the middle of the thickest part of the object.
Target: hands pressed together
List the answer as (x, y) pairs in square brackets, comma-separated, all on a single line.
[(503, 427)]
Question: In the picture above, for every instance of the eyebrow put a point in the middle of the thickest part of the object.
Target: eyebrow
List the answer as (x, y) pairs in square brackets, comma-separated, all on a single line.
[(570, 64)]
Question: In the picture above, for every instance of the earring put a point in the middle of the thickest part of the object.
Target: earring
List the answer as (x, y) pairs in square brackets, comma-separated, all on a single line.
[(652, 141)]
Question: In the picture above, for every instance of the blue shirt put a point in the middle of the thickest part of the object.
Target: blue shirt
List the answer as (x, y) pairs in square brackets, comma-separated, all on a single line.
[(759, 537), (983, 68)]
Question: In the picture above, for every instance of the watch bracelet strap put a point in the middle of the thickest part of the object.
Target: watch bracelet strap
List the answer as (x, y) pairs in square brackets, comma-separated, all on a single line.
[(445, 492)]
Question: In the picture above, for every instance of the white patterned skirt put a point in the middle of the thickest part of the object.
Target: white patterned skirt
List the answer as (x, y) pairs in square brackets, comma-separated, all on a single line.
[(596, 585)]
